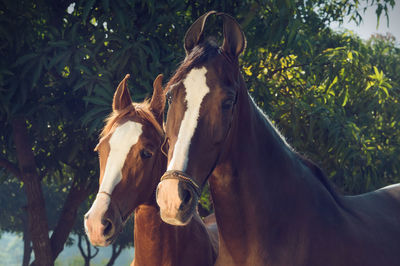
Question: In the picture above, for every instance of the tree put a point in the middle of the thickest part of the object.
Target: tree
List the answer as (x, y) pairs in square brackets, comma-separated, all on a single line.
[(13, 215), (86, 254), (338, 106), (37, 115), (124, 240), (63, 59)]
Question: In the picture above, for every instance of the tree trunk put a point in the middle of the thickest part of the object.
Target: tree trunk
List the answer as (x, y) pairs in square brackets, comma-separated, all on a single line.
[(37, 220), (116, 251), (77, 194), (86, 256), (27, 243)]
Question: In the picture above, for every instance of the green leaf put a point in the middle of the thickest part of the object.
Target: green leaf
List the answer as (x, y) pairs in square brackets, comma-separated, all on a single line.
[(23, 59), (59, 44), (346, 97), (385, 90), (95, 112), (104, 92), (350, 55), (38, 71), (96, 100), (378, 74), (56, 59), (81, 84), (369, 85), (332, 83)]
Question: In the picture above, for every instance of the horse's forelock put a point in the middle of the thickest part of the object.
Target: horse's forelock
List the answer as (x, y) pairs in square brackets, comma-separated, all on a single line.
[(199, 55), (142, 110), (113, 118)]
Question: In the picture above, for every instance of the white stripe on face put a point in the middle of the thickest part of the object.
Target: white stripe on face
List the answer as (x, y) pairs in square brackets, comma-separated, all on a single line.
[(121, 142), (196, 89)]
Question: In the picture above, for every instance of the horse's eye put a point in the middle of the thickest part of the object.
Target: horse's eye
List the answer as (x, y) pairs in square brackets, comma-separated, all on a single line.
[(145, 154), (227, 104), (169, 97)]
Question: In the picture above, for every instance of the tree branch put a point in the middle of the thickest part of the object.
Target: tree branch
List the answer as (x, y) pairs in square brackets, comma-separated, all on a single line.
[(77, 194), (80, 247), (10, 167)]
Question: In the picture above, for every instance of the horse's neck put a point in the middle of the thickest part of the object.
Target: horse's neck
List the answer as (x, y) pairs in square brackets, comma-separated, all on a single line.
[(263, 179), (255, 154), (148, 236), (158, 243)]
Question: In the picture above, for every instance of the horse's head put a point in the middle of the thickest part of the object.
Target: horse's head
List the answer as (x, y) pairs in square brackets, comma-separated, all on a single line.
[(202, 99), (131, 162)]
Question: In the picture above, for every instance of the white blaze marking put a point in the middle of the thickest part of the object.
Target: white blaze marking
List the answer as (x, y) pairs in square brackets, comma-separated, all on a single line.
[(168, 198), (196, 90), (121, 141)]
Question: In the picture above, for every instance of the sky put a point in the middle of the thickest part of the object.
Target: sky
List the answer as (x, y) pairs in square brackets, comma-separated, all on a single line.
[(369, 24)]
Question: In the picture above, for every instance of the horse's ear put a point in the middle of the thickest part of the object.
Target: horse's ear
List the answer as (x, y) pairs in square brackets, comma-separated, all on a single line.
[(194, 35), (234, 39), (157, 102), (122, 97)]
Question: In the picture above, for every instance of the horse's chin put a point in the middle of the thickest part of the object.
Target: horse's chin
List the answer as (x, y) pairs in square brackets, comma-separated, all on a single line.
[(181, 219), (182, 209), (119, 226), (104, 242), (174, 221), (111, 240)]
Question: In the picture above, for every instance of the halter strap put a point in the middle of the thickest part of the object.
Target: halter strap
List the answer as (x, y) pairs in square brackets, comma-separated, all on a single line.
[(163, 145), (182, 176), (123, 218), (103, 192)]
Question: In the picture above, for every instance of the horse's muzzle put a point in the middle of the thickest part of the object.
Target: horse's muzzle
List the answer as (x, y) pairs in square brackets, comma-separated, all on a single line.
[(177, 196)]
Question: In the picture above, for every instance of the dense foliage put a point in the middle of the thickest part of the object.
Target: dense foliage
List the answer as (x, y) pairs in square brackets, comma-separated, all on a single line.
[(332, 95), (339, 107)]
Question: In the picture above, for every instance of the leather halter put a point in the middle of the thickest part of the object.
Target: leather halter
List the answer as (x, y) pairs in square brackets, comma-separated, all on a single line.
[(183, 177), (103, 192), (124, 219), (166, 140)]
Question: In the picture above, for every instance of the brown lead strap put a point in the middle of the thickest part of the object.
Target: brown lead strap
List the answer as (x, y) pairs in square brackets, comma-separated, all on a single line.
[(182, 176), (162, 147)]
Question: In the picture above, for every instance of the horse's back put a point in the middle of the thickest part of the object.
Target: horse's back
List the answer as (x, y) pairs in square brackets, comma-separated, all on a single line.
[(374, 226), (392, 191), (382, 204)]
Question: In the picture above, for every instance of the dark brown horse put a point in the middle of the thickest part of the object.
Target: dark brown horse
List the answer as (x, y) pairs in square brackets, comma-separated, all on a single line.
[(272, 206), (131, 164)]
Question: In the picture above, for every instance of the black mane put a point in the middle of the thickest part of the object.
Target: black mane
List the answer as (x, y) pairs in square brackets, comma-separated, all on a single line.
[(320, 175), (199, 55)]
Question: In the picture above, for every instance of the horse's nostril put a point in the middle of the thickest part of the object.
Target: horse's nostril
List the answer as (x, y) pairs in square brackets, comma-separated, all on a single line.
[(109, 228), (186, 197)]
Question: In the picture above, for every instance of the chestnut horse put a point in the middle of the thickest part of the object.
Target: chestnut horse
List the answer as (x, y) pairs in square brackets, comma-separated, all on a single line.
[(272, 206), (131, 163)]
